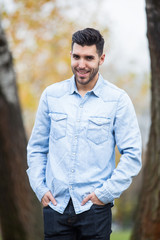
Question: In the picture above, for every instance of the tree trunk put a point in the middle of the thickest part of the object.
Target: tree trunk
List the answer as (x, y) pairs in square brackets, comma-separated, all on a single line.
[(20, 212), (147, 224)]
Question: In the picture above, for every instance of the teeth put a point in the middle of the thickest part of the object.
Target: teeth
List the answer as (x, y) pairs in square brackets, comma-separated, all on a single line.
[(82, 72)]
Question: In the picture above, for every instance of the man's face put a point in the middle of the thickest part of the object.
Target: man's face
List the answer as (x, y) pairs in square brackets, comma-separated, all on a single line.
[(85, 63)]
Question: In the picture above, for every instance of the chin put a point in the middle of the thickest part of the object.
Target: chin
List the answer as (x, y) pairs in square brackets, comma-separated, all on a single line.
[(82, 81)]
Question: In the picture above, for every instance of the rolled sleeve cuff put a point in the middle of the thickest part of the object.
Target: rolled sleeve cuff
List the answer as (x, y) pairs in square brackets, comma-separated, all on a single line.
[(104, 195)]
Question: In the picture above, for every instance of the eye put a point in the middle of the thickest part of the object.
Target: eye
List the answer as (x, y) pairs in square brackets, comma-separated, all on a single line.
[(89, 58), (76, 57)]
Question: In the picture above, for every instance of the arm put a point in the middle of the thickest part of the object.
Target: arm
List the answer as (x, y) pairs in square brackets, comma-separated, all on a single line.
[(37, 149), (128, 140)]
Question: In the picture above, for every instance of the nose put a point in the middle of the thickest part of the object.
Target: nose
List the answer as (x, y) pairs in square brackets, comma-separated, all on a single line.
[(81, 63)]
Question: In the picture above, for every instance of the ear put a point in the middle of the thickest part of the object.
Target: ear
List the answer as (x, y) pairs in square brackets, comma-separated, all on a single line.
[(70, 53), (102, 58)]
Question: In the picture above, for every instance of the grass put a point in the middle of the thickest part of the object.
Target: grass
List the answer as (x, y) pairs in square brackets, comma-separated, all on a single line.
[(121, 235)]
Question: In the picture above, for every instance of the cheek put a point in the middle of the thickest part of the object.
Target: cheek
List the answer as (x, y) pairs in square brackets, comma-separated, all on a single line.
[(73, 64), (92, 66)]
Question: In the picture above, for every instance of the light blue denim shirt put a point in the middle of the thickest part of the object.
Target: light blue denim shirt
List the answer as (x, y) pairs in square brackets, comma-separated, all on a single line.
[(71, 151)]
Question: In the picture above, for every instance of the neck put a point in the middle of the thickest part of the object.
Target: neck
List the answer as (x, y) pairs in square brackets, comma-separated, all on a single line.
[(84, 88)]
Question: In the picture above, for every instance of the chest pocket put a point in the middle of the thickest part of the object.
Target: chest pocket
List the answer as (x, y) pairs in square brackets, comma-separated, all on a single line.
[(58, 125), (98, 129)]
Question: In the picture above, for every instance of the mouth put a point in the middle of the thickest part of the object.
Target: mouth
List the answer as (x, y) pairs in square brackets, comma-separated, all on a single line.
[(82, 73)]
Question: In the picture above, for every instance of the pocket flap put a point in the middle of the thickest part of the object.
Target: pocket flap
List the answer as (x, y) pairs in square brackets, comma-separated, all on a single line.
[(58, 116), (100, 120)]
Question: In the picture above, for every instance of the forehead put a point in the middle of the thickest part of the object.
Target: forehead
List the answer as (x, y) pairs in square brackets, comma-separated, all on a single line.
[(84, 50)]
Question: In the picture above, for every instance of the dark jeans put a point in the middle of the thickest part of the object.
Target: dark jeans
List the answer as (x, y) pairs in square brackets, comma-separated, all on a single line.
[(89, 225)]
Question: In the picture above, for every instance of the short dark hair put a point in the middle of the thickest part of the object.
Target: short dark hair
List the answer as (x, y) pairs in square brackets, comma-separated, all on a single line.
[(89, 37)]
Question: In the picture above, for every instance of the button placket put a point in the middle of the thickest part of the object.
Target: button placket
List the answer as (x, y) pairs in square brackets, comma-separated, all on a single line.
[(75, 145)]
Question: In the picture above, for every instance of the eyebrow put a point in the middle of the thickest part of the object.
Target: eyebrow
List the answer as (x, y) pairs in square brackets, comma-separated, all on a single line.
[(75, 55), (86, 56)]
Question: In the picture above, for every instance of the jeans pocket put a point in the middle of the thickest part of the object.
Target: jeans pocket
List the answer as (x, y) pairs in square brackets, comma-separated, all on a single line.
[(103, 219), (103, 207), (46, 207)]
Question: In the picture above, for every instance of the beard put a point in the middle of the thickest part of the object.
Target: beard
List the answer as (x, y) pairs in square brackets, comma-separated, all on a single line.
[(85, 80)]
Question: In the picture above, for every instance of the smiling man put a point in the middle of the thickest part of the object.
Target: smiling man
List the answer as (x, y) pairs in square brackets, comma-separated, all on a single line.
[(85, 62), (71, 152)]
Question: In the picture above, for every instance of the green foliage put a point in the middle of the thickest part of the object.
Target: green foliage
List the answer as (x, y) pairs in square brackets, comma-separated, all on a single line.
[(123, 210), (121, 235)]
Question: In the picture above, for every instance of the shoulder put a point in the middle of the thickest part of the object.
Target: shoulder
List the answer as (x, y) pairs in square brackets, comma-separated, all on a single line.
[(111, 92), (58, 89)]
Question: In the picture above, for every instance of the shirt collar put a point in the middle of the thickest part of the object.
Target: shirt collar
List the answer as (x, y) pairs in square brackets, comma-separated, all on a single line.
[(99, 86), (73, 87), (96, 90)]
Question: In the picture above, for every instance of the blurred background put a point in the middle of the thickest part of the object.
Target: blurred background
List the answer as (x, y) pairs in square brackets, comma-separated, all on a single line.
[(39, 36)]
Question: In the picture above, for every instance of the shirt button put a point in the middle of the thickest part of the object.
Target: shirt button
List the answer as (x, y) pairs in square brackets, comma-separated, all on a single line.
[(75, 137), (70, 187), (74, 153), (72, 170), (78, 120)]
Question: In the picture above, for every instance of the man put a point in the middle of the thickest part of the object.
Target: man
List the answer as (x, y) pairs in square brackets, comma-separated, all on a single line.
[(71, 152)]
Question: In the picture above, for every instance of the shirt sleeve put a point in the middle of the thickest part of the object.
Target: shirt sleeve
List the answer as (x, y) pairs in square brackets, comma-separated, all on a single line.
[(37, 149), (128, 140)]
